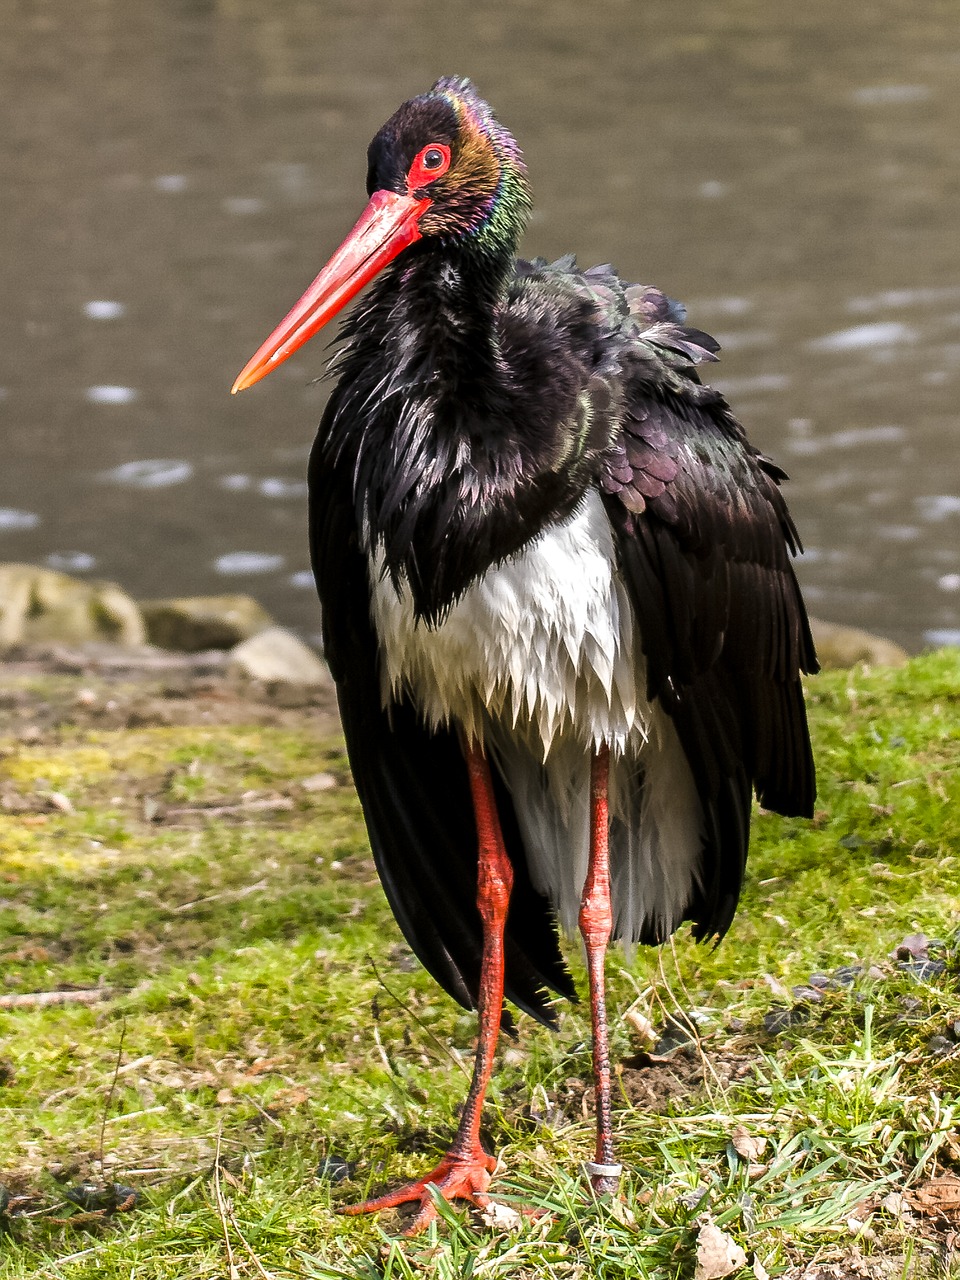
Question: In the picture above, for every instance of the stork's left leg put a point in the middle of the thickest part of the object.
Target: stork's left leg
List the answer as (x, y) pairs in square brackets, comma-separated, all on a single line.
[(596, 925), (464, 1172)]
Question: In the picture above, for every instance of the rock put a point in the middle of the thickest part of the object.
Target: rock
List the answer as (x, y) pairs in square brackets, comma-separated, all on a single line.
[(39, 605), (846, 646), (194, 623), (276, 656)]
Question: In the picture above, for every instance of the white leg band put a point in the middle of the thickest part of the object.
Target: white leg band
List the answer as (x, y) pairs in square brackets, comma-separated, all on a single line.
[(602, 1170)]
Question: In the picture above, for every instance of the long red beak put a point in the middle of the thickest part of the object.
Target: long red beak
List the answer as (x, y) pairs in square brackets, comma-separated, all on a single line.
[(387, 225)]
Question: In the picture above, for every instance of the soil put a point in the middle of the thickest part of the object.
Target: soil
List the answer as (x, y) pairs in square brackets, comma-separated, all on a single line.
[(100, 686)]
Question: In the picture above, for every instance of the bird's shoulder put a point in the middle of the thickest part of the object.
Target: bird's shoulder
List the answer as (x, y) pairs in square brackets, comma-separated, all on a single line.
[(599, 307), (663, 441)]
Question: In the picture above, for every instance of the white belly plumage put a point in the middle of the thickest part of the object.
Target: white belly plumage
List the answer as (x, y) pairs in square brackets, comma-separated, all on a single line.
[(539, 660)]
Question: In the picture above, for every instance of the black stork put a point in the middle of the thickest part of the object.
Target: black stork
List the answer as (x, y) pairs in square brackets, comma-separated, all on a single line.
[(557, 596)]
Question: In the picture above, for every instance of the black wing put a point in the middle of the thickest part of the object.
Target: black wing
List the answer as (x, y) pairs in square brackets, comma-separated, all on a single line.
[(414, 789), (704, 541)]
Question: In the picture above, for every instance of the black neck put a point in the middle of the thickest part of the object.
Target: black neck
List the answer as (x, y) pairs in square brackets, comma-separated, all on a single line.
[(450, 449)]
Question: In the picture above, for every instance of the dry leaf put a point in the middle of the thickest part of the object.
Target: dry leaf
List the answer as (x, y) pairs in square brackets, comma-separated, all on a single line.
[(287, 1099), (915, 946), (225, 1098), (746, 1145), (895, 1204), (260, 1065), (717, 1253), (776, 986), (759, 1270), (938, 1196), (642, 1025), (500, 1217), (622, 1213)]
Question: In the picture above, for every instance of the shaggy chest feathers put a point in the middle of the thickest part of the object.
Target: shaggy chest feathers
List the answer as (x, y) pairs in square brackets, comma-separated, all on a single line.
[(542, 643)]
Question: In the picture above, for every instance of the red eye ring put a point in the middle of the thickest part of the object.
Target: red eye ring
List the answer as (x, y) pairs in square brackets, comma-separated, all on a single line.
[(432, 162)]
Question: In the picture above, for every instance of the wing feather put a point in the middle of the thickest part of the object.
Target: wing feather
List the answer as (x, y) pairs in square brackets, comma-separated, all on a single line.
[(704, 541), (413, 786)]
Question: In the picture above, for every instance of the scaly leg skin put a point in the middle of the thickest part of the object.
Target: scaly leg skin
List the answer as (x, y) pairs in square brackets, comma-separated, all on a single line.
[(464, 1172), (596, 925)]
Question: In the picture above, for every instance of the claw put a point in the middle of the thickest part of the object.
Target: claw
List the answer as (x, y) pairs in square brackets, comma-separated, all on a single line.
[(456, 1177)]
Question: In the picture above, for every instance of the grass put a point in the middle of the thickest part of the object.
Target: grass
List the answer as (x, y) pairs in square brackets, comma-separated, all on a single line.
[(264, 1031)]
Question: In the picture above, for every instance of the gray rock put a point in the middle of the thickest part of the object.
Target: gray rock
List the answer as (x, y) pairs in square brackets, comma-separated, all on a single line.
[(38, 605), (192, 624), (276, 656), (846, 646)]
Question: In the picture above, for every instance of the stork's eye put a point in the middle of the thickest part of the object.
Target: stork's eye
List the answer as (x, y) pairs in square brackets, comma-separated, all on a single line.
[(431, 162)]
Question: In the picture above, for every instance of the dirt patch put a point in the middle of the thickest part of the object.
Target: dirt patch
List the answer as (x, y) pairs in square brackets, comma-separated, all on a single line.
[(45, 691), (657, 1084)]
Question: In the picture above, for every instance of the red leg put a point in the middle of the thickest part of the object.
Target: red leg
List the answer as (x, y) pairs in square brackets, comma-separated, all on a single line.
[(596, 925), (464, 1172)]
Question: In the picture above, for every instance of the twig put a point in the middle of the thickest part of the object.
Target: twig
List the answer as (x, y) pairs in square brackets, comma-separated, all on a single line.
[(444, 1049), (41, 999), (267, 1275), (217, 897), (110, 1091), (135, 1115), (232, 1269), (221, 810)]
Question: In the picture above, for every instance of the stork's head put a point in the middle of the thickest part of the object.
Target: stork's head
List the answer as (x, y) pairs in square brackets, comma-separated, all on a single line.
[(442, 173)]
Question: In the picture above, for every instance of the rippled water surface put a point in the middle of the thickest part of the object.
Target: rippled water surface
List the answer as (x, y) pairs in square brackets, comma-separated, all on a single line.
[(174, 175)]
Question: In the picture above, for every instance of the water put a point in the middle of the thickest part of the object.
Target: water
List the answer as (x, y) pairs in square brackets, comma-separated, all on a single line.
[(174, 175)]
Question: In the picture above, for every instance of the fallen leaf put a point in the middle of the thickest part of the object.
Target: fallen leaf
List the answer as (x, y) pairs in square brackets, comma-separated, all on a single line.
[(622, 1213), (717, 1253), (641, 1025), (895, 1204), (500, 1217), (776, 986), (287, 1099), (759, 1270), (915, 946), (260, 1065), (746, 1145), (938, 1196)]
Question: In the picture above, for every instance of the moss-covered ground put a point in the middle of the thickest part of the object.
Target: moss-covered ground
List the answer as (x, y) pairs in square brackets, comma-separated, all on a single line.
[(243, 1040)]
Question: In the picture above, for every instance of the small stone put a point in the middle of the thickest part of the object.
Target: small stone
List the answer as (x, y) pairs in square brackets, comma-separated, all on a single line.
[(333, 1168), (42, 605), (846, 646), (779, 1020), (278, 656), (940, 1046), (193, 624), (319, 782)]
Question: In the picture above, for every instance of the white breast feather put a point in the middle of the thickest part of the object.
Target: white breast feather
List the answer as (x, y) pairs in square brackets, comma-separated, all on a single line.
[(539, 660), (543, 642)]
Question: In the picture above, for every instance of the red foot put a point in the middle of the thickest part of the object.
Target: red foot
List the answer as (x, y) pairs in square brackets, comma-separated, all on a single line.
[(456, 1177)]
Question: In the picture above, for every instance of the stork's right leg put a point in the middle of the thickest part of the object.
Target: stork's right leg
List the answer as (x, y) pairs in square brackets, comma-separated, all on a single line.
[(464, 1172)]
